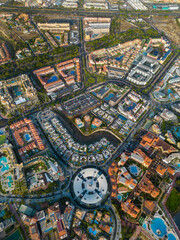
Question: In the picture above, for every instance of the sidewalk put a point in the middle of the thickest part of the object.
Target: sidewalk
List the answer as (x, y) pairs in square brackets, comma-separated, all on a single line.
[(118, 232)]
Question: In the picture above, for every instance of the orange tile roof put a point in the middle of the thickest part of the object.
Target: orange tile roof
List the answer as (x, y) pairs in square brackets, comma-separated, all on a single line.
[(171, 171), (147, 160), (151, 140), (161, 170), (148, 187), (149, 205), (123, 189), (34, 233), (130, 208), (114, 187), (113, 194)]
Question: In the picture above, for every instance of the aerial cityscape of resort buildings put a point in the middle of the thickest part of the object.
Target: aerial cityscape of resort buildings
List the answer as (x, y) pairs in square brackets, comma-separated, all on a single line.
[(89, 120), (142, 5)]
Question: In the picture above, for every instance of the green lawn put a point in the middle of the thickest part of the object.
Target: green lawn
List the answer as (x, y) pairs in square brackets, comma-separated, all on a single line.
[(2, 139), (173, 201), (15, 236)]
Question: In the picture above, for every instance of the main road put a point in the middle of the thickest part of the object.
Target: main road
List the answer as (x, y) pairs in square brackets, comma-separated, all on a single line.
[(87, 12)]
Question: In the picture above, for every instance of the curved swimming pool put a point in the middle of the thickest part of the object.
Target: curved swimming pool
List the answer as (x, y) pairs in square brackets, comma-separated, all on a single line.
[(110, 95), (158, 227), (171, 236), (92, 231)]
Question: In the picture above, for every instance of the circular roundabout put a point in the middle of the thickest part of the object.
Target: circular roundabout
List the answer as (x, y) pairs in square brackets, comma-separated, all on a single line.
[(90, 187)]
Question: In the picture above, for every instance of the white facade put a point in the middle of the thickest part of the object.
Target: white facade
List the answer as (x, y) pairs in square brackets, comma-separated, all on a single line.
[(90, 186)]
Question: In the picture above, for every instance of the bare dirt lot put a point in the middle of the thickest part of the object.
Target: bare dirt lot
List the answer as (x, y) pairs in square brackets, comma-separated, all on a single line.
[(15, 33), (170, 26), (143, 237), (5, 34), (126, 25)]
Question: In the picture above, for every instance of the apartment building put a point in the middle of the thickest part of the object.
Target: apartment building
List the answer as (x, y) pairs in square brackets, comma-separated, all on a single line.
[(54, 27), (101, 4), (130, 208), (4, 53)]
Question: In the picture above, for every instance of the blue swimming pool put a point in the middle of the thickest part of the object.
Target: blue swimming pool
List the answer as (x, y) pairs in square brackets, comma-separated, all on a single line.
[(169, 91), (169, 96), (27, 137), (144, 225), (95, 221), (17, 92), (72, 72), (131, 106), (57, 37), (94, 35), (3, 164), (2, 213), (94, 232), (155, 52), (52, 79), (176, 131), (122, 118), (111, 95), (93, 126), (49, 229), (171, 236), (133, 169), (119, 58), (158, 227), (119, 197), (9, 178)]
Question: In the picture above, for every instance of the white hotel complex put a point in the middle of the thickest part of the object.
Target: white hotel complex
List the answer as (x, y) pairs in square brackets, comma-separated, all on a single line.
[(90, 187)]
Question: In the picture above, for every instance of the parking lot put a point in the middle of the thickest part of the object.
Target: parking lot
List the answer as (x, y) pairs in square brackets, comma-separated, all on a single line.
[(80, 104)]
